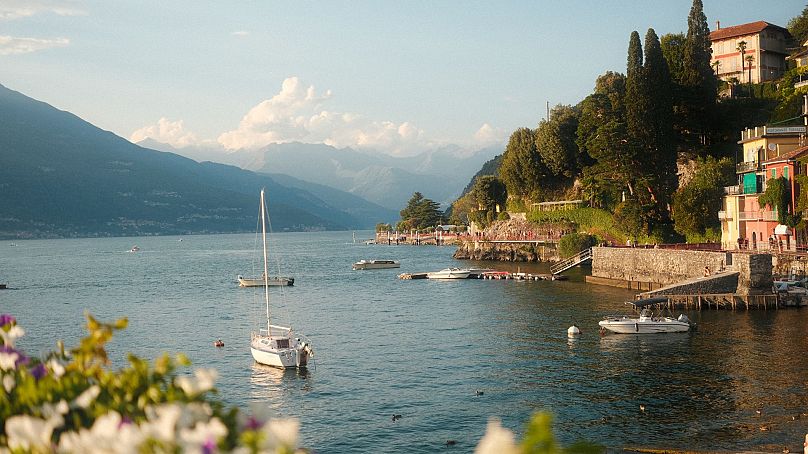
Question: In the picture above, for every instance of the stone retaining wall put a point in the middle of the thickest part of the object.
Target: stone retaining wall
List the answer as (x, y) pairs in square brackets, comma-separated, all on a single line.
[(723, 283), (662, 266)]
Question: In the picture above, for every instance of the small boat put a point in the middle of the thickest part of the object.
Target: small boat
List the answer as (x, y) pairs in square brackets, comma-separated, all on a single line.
[(273, 281), (3, 286), (135, 248), (376, 264), (449, 273), (647, 323), (370, 241), (276, 345)]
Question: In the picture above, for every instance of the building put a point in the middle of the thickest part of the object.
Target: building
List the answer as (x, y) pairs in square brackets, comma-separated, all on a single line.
[(764, 57), (768, 152)]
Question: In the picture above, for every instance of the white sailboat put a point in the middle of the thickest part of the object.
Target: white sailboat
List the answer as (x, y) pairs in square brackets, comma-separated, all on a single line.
[(277, 345)]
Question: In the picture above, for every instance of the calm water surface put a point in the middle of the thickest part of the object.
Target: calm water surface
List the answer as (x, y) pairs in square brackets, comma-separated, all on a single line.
[(421, 348)]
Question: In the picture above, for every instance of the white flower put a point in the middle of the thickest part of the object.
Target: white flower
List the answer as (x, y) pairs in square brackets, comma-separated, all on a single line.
[(162, 422), (8, 361), (203, 433), (281, 432), (12, 335), (28, 433), (88, 396), (9, 382), (50, 410), (204, 380), (108, 435), (56, 367), (497, 440)]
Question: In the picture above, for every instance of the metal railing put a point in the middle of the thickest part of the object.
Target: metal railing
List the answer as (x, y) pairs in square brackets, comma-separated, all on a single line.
[(733, 190), (756, 216), (572, 261), (724, 216), (743, 167)]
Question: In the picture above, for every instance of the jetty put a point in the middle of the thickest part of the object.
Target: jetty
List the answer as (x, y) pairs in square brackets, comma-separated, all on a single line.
[(494, 275)]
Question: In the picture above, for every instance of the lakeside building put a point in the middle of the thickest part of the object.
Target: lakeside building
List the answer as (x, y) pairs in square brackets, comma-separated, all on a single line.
[(768, 152), (765, 44)]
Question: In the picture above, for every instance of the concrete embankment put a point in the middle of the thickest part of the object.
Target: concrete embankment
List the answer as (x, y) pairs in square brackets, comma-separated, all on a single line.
[(508, 251)]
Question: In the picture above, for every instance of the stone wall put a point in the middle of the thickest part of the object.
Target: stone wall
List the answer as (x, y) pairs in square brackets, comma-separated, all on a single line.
[(662, 266), (507, 252), (726, 282), (755, 273)]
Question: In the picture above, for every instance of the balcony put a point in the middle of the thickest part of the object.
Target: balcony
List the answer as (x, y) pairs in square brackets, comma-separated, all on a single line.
[(755, 216), (733, 190), (724, 216), (744, 167)]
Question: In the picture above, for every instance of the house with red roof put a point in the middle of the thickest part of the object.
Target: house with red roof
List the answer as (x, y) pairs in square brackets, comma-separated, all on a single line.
[(763, 59)]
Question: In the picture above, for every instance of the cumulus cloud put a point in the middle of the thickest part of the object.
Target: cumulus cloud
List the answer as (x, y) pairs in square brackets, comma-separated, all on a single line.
[(297, 113), (488, 135), (16, 9), (10, 45), (166, 131)]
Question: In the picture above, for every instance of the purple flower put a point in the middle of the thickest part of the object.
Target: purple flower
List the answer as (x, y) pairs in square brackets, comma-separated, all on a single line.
[(253, 423), (39, 371), (125, 421), (209, 447), (21, 359), (7, 319)]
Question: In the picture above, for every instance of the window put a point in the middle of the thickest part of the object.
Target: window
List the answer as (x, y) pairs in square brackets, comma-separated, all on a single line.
[(774, 173), (785, 172)]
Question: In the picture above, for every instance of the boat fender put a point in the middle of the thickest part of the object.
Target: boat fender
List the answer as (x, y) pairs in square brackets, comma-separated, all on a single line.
[(637, 327)]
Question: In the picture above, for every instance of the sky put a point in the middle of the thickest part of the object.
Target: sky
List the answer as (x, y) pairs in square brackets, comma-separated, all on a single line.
[(397, 77)]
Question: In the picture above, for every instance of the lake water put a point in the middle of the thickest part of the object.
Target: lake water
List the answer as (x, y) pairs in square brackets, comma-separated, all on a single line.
[(421, 348)]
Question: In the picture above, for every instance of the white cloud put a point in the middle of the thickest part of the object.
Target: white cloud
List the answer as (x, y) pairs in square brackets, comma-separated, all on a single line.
[(166, 131), (296, 113), (488, 135), (240, 33), (16, 9), (10, 45)]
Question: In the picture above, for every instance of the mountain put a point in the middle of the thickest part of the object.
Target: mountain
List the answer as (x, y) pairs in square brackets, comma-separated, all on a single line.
[(383, 179), (63, 177)]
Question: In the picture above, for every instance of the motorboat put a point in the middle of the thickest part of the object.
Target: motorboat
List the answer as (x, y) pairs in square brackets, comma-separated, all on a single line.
[(648, 321), (276, 345), (376, 264), (135, 248), (449, 273), (272, 281)]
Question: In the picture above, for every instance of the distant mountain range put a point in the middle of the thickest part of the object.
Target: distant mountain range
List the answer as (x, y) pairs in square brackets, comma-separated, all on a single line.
[(63, 177), (386, 180)]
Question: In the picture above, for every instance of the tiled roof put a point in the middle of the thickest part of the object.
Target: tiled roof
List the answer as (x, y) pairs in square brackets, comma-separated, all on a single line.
[(791, 155), (742, 30)]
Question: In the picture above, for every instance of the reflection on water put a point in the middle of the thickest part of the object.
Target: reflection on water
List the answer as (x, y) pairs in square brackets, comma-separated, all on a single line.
[(421, 349)]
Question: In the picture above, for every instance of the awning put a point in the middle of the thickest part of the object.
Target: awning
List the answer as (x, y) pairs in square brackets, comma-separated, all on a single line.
[(782, 230)]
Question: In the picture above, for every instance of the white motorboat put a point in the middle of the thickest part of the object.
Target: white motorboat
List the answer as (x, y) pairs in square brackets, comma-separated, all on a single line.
[(273, 281), (449, 273), (276, 345), (647, 323), (135, 248), (376, 264)]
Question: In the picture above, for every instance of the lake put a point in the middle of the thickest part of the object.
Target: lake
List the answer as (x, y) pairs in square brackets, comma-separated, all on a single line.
[(420, 348)]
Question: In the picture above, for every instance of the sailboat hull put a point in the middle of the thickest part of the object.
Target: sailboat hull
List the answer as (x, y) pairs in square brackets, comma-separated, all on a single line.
[(295, 357)]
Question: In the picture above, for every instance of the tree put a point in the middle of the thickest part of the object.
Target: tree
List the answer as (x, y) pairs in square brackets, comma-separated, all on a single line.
[(522, 169), (419, 213), (673, 48), (777, 196), (742, 49), (749, 59), (555, 142), (696, 101), (489, 191), (696, 204), (798, 27)]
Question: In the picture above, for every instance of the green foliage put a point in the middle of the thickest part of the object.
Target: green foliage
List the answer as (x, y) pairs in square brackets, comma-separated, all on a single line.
[(522, 168), (592, 220), (573, 243), (489, 191), (503, 216), (696, 205), (382, 227), (798, 27), (555, 142), (630, 216), (778, 197), (420, 213), (491, 167), (673, 45)]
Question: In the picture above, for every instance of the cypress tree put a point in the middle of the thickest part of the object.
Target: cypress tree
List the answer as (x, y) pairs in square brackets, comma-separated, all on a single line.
[(698, 79), (637, 105)]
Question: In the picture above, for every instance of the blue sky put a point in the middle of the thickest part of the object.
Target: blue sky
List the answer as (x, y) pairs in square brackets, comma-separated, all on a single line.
[(398, 77)]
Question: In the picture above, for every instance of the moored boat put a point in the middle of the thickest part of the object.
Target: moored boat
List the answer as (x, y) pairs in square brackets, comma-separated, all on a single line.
[(449, 273), (376, 264), (648, 322), (272, 281)]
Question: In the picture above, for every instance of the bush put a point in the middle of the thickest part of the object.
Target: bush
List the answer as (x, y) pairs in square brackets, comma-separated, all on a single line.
[(573, 243), (503, 216)]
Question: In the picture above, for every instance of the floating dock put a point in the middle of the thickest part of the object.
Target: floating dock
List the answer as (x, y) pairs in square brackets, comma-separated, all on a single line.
[(495, 275)]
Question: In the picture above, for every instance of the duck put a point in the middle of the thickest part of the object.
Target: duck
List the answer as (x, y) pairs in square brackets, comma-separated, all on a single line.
[(396, 417), (478, 393)]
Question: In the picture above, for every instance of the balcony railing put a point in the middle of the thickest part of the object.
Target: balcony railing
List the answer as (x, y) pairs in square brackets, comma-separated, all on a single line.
[(733, 190), (724, 216), (755, 215), (749, 166)]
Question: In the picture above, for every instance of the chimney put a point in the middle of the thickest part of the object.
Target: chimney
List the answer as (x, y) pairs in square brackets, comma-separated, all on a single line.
[(718, 25)]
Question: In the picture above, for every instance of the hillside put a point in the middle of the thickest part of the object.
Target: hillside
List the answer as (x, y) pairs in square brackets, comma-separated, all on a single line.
[(63, 177)]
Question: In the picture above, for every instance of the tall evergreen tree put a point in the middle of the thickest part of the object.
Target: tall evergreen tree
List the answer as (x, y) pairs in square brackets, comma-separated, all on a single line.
[(698, 79), (798, 27), (522, 168), (638, 104), (555, 142)]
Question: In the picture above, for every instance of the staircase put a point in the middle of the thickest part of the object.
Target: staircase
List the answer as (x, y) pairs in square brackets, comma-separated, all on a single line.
[(575, 260)]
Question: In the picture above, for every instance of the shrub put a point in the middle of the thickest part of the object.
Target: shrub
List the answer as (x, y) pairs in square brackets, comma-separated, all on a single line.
[(574, 243), (503, 216)]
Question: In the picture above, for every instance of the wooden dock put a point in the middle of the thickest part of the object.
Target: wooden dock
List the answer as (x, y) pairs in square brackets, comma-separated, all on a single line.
[(494, 275), (729, 301)]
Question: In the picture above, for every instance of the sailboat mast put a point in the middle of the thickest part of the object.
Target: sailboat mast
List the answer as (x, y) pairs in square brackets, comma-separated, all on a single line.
[(266, 268)]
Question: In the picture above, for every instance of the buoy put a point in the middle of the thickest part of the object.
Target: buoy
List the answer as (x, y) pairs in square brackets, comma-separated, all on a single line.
[(478, 393), (219, 343), (573, 331)]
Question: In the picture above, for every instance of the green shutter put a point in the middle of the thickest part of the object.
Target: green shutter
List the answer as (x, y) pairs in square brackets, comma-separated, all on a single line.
[(785, 172), (750, 183)]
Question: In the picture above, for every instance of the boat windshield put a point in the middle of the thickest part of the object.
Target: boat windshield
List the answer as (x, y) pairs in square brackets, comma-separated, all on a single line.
[(646, 313)]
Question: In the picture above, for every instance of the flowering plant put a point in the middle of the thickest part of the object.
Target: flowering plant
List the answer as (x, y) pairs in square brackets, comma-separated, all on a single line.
[(70, 401)]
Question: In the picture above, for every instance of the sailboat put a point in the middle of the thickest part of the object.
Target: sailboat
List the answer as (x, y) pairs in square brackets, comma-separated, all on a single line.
[(277, 345)]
